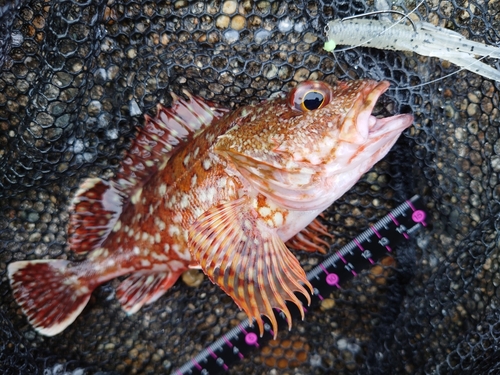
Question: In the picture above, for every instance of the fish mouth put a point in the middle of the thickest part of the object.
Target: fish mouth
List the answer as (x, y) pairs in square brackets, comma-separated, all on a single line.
[(361, 125)]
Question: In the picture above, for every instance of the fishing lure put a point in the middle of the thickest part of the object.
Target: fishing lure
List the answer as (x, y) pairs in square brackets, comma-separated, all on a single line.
[(420, 37)]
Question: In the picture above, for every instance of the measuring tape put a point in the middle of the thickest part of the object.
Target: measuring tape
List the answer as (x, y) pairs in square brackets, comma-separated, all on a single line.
[(361, 253)]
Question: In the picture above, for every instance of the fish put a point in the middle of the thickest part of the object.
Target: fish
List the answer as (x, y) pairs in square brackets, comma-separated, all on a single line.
[(206, 187)]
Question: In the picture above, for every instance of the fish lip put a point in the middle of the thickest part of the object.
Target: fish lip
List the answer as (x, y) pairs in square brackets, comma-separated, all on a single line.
[(377, 127), (359, 121), (393, 124)]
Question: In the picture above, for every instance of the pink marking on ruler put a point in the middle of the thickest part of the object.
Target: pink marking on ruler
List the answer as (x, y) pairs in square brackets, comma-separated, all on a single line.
[(393, 219), (324, 269), (212, 353), (411, 205), (242, 329), (341, 257), (380, 236), (227, 341), (375, 231), (405, 235), (231, 346), (359, 245), (197, 365), (224, 366), (362, 250)]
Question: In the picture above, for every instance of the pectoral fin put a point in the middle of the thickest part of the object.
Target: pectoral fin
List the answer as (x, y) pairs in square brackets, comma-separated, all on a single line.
[(248, 260)]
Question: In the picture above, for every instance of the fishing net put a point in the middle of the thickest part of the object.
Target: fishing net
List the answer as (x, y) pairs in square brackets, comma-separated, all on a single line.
[(76, 78)]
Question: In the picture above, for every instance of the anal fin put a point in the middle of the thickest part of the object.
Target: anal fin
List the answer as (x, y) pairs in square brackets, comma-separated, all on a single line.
[(248, 260), (141, 289)]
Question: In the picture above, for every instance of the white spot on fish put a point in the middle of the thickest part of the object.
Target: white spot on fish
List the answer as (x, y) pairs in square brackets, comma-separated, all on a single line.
[(186, 160), (160, 224), (193, 180), (183, 255), (136, 250), (96, 253), (222, 182), (184, 201), (145, 263), (264, 211), (175, 265), (173, 230), (117, 226), (207, 163), (137, 195), (159, 256), (247, 224), (163, 189), (145, 236), (197, 211), (278, 219), (157, 238), (208, 195), (166, 248)]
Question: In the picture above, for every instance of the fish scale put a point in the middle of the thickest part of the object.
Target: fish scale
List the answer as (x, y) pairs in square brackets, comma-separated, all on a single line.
[(222, 191)]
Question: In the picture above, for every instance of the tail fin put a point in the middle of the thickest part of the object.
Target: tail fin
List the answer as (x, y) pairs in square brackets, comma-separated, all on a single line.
[(49, 293)]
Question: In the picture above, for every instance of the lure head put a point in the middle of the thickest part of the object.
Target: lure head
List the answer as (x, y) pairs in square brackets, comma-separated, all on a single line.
[(307, 149)]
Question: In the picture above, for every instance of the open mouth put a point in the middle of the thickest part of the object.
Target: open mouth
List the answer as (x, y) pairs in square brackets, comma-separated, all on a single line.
[(360, 124), (385, 125)]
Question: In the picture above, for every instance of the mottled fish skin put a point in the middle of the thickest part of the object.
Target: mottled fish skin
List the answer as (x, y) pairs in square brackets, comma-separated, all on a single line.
[(222, 191)]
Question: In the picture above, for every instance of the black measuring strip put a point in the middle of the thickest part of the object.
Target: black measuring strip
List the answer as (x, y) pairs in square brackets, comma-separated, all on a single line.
[(361, 253)]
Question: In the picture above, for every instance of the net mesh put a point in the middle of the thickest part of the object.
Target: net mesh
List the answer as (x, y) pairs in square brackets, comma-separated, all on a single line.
[(76, 78)]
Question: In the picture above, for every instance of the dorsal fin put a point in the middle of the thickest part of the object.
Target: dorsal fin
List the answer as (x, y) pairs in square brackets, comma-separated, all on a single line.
[(161, 136), (97, 204)]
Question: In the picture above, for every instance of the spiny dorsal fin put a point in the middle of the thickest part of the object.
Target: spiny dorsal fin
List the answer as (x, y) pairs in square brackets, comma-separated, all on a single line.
[(161, 136), (97, 204)]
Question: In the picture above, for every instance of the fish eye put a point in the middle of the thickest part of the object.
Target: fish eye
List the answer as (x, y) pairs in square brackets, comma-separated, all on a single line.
[(312, 100), (309, 96)]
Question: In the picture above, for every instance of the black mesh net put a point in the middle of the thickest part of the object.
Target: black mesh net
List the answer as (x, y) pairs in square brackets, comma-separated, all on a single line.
[(76, 78)]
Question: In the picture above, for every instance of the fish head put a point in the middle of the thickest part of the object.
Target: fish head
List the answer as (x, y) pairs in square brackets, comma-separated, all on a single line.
[(336, 129), (306, 149)]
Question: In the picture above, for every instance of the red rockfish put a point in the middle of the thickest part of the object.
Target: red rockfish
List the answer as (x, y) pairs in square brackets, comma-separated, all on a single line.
[(206, 187)]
